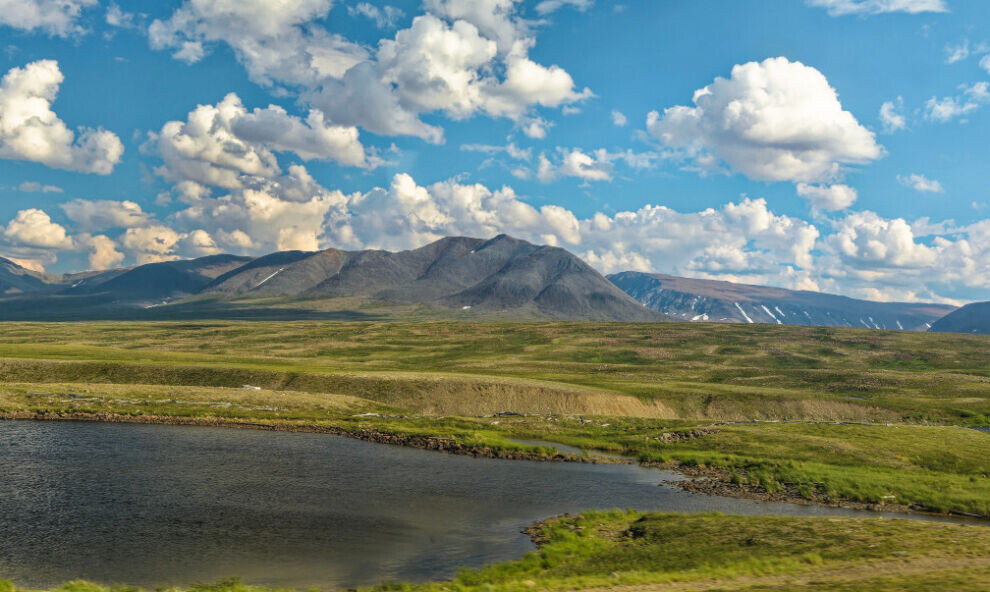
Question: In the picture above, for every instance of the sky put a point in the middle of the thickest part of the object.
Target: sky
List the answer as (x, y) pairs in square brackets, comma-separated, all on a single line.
[(830, 145)]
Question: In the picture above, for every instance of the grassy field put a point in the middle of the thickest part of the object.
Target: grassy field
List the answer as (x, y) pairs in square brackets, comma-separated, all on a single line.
[(671, 552), (846, 415), (687, 371)]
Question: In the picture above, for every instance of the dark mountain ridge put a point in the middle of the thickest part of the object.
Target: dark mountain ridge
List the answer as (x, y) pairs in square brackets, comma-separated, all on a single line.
[(15, 279), (972, 318), (157, 281)]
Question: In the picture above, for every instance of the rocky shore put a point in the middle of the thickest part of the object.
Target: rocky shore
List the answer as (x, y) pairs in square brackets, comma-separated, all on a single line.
[(720, 482)]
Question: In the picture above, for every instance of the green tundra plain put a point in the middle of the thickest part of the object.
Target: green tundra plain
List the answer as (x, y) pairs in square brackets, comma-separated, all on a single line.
[(811, 414)]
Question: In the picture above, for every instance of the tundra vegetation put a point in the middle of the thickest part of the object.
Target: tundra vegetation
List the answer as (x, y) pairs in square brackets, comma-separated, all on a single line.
[(814, 414)]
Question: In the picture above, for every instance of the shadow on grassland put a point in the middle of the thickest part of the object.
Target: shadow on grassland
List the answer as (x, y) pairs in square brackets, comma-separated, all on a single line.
[(101, 307)]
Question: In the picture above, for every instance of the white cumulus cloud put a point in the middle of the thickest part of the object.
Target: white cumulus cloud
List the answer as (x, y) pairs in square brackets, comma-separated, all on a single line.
[(55, 17), (274, 40), (946, 109), (34, 228), (151, 244), (385, 17), (103, 253), (828, 198), (95, 215), (461, 58), (496, 19), (599, 165), (408, 215), (774, 120), (890, 116), (447, 67), (921, 183), (590, 168), (30, 130), (867, 240), (289, 212), (222, 144), (893, 259)]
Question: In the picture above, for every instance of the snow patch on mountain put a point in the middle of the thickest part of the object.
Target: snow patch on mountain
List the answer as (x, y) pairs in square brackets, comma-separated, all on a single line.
[(745, 316)]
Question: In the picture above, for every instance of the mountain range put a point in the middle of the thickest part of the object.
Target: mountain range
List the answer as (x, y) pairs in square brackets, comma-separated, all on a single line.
[(466, 277), (709, 300), (456, 277)]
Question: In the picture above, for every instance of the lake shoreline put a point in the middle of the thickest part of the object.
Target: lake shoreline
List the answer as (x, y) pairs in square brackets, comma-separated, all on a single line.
[(719, 482), (434, 443), (701, 480)]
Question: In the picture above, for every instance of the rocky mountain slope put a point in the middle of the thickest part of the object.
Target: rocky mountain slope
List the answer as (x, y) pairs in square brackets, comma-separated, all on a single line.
[(708, 300), (501, 274)]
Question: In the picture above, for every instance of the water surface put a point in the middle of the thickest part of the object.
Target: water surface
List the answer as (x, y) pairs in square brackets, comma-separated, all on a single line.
[(158, 505)]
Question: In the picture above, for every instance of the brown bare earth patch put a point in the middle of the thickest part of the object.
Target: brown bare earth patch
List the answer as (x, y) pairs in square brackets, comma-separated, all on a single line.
[(487, 399)]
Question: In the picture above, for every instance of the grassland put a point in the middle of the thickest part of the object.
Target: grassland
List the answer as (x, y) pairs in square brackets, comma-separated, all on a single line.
[(845, 415), (629, 551)]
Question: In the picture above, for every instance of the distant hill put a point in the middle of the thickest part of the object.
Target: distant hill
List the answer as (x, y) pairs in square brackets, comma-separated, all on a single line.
[(727, 302), (502, 277), (15, 279), (158, 281), (972, 318)]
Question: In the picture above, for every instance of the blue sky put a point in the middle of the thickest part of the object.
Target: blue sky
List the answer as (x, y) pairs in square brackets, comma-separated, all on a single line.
[(834, 145)]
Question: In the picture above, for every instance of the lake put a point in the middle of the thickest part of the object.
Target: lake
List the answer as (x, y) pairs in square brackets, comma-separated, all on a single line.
[(156, 505)]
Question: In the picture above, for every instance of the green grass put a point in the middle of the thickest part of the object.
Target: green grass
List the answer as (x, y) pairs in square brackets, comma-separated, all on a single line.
[(699, 371), (713, 551), (616, 548)]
